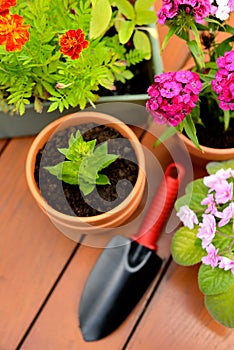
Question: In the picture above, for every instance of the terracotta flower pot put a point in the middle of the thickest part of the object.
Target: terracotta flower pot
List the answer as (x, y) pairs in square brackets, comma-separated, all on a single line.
[(209, 154), (73, 225)]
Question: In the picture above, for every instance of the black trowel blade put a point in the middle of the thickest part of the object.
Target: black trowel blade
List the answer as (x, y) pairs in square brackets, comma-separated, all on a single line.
[(116, 284)]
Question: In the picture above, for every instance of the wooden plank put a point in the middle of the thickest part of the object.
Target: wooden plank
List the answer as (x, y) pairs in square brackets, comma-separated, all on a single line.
[(32, 251), (177, 319), (3, 142)]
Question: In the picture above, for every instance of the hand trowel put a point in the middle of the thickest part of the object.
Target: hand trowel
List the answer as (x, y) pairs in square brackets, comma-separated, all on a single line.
[(127, 266)]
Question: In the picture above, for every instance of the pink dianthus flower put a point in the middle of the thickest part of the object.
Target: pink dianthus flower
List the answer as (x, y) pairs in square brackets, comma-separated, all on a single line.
[(173, 95), (223, 84), (200, 9)]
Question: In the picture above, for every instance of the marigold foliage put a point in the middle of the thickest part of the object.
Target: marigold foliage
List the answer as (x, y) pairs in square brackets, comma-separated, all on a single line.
[(38, 71)]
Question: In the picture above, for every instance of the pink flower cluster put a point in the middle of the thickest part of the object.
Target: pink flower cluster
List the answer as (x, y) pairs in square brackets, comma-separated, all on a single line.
[(218, 213), (223, 84), (173, 96), (200, 9)]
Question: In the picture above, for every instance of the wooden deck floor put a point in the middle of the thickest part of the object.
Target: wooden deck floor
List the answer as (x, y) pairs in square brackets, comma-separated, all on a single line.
[(42, 274)]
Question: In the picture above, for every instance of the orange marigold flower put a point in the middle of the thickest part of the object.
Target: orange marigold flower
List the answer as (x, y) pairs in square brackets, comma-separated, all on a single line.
[(72, 43), (12, 32), (6, 4)]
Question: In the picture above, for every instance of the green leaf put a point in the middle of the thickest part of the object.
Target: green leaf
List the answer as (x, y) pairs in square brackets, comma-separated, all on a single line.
[(214, 281), (193, 200), (86, 188), (227, 117), (195, 192), (102, 180), (21, 108), (142, 43), (221, 306), (125, 31), (224, 239), (70, 172), (145, 17), (195, 51), (170, 131), (53, 106), (199, 52), (55, 170), (127, 74), (197, 186), (224, 46), (125, 8), (63, 151), (170, 33), (78, 148), (213, 167), (190, 130), (50, 89), (105, 160), (100, 18), (141, 5), (228, 29), (83, 163), (101, 149), (186, 247)]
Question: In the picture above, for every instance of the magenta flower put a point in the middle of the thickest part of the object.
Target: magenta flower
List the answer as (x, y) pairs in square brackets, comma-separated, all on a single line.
[(226, 264), (173, 96), (170, 89), (200, 9), (207, 229), (212, 257), (223, 84), (187, 216)]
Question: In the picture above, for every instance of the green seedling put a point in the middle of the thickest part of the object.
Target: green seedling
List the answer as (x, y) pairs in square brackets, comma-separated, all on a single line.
[(83, 163)]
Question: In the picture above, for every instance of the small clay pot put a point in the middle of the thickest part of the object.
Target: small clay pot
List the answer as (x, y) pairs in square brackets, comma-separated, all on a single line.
[(72, 226)]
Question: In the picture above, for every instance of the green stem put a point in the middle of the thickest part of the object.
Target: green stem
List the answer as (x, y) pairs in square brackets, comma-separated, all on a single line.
[(228, 249), (224, 234), (226, 120)]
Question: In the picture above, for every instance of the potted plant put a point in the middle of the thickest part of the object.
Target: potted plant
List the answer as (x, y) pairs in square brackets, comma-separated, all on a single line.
[(207, 237), (57, 55), (198, 102), (77, 181)]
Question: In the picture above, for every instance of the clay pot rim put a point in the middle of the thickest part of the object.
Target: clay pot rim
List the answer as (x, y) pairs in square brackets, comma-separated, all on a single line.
[(215, 151), (49, 130)]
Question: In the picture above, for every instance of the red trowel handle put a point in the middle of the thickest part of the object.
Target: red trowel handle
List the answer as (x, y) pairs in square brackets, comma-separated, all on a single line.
[(160, 207)]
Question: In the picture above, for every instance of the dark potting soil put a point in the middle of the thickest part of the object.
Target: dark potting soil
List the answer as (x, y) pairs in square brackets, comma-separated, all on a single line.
[(67, 198), (212, 134)]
